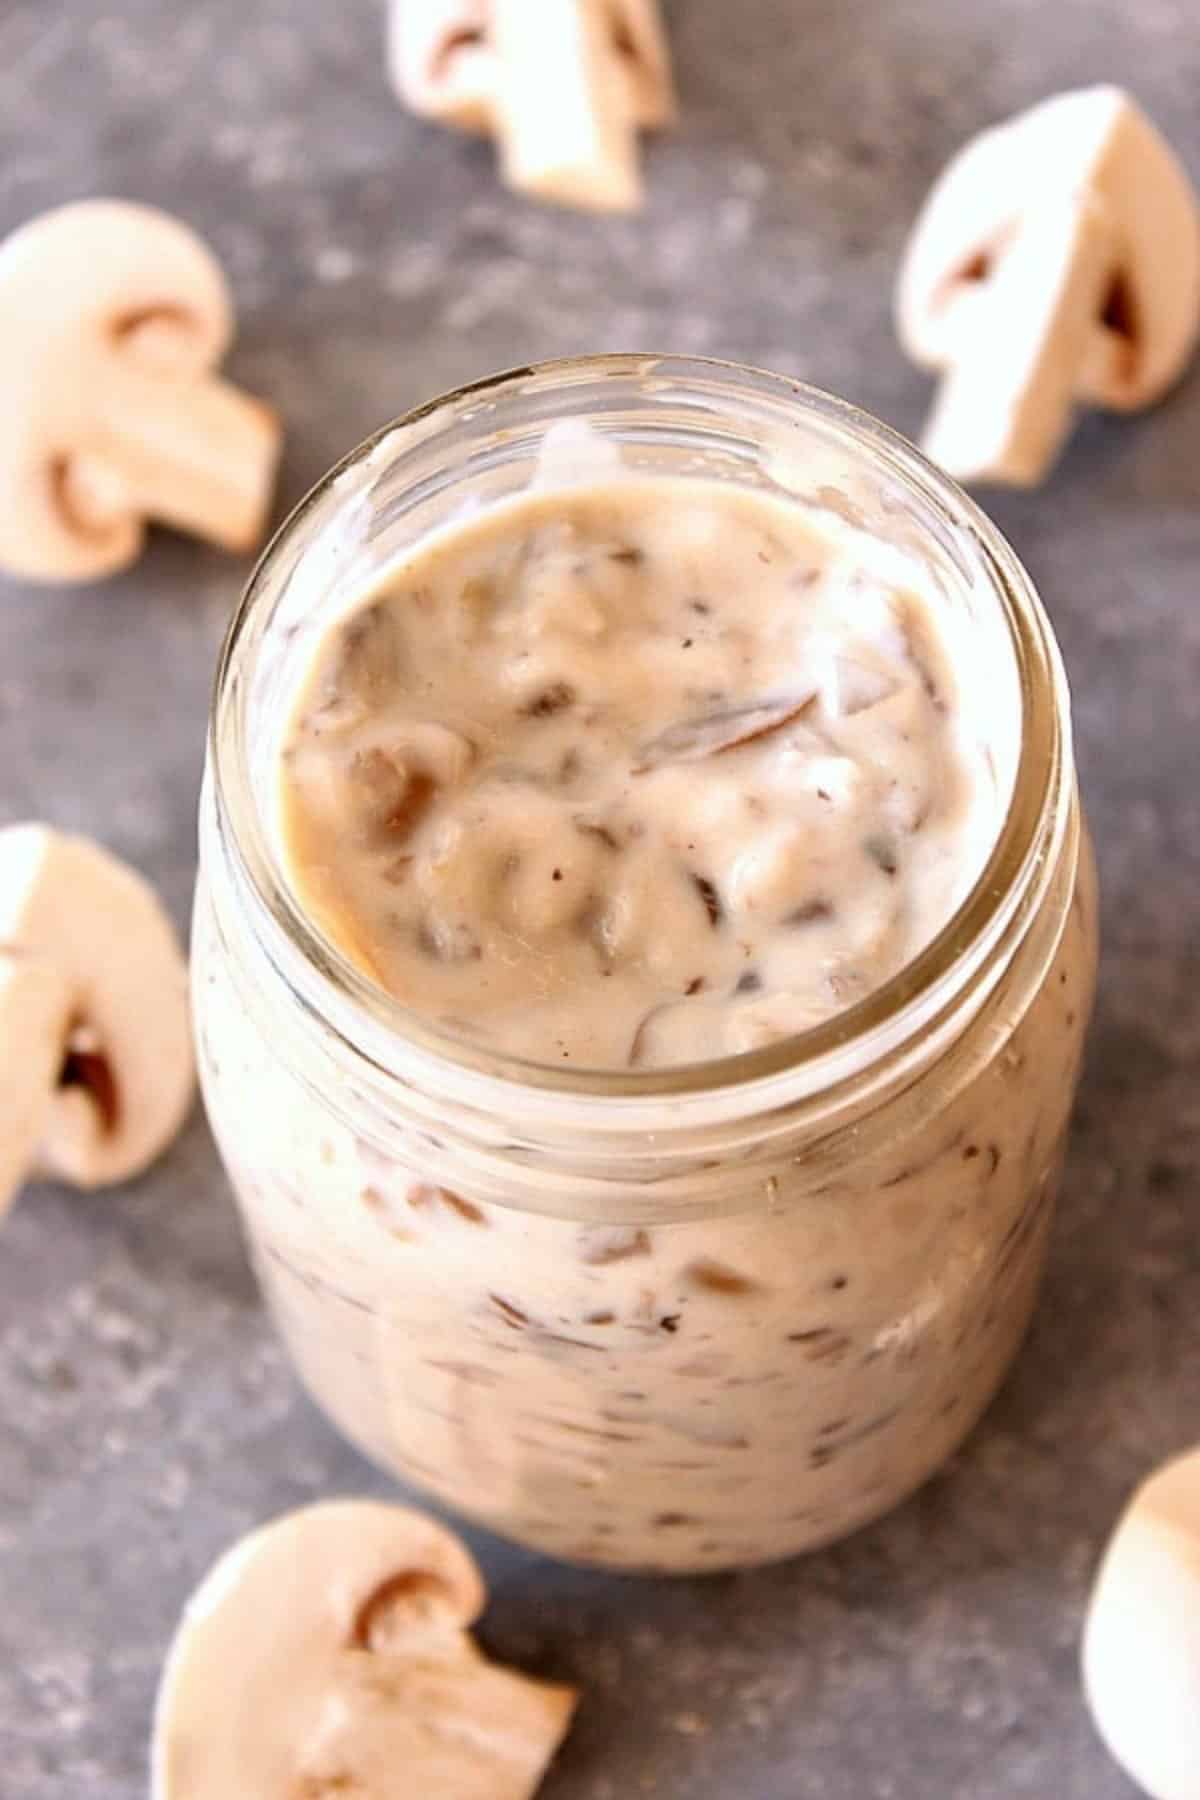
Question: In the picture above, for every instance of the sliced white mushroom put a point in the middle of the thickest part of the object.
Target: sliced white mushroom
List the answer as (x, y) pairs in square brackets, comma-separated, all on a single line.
[(1141, 1643), (329, 1653), (95, 1038), (563, 88), (112, 319), (1056, 261)]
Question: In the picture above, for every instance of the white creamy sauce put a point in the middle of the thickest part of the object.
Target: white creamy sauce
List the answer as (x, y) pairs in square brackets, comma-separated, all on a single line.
[(634, 773)]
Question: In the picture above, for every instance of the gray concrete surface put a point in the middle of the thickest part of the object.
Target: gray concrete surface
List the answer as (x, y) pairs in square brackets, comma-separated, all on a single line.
[(146, 1414)]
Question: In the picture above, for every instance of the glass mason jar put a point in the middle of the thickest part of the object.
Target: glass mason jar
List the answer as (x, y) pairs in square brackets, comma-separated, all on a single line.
[(694, 1317)]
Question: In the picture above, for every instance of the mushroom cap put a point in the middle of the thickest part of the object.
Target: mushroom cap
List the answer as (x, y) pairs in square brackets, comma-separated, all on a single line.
[(1095, 139), (82, 288), (260, 1641), (1141, 1644), (441, 62), (94, 968)]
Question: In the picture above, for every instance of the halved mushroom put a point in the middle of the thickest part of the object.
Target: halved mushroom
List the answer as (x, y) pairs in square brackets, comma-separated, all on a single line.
[(565, 88), (1056, 260), (328, 1653), (1141, 1644), (112, 318), (95, 1038)]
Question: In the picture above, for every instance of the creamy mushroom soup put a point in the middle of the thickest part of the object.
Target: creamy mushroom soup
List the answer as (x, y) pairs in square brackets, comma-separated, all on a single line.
[(632, 776)]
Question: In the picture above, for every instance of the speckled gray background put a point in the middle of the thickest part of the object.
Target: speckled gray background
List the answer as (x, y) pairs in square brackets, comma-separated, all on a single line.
[(147, 1415)]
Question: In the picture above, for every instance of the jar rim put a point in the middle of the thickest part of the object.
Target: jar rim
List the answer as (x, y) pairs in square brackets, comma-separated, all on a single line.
[(372, 1023)]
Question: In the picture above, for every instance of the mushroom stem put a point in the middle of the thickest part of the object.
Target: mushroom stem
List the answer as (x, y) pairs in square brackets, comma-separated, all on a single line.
[(1103, 366), (1003, 410), (567, 117), (197, 454)]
